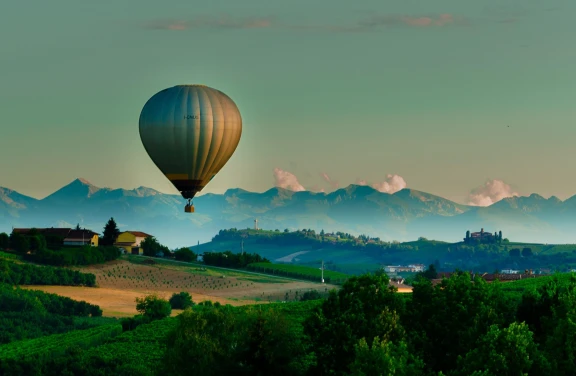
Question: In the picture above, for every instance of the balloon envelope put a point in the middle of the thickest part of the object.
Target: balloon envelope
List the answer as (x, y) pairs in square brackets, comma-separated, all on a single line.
[(190, 132)]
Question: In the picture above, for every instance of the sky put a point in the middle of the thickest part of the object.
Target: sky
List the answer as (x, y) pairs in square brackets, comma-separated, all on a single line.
[(469, 100)]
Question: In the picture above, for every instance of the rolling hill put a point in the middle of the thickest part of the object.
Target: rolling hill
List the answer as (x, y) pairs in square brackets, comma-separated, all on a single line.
[(403, 216)]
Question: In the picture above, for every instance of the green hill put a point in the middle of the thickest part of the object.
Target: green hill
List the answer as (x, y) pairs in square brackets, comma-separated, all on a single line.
[(358, 254)]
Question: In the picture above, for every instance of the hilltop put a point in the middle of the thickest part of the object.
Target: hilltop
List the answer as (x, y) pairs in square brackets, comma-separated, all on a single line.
[(358, 254), (405, 215)]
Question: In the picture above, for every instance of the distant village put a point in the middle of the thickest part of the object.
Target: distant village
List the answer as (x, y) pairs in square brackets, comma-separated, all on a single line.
[(127, 241)]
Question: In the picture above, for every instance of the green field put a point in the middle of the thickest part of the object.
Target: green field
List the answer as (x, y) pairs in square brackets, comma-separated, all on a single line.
[(517, 288), (304, 272)]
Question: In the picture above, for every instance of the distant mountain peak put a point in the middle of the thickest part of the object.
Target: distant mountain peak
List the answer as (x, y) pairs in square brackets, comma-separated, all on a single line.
[(83, 181)]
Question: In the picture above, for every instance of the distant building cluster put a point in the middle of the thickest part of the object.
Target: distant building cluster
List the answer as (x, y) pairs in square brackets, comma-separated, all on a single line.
[(71, 237), (412, 268), (127, 241), (482, 237)]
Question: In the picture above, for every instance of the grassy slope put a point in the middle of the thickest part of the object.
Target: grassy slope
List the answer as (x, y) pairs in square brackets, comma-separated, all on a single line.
[(297, 269)]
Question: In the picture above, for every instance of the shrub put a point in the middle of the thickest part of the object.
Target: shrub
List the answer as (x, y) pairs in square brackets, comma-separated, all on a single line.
[(153, 307), (181, 300)]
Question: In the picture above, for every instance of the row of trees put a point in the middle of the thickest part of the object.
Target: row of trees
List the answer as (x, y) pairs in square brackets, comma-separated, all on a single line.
[(13, 273), (526, 252), (86, 255), (26, 314), (232, 260)]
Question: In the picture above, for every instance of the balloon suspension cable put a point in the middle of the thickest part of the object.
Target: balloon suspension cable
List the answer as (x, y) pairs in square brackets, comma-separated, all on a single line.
[(189, 202)]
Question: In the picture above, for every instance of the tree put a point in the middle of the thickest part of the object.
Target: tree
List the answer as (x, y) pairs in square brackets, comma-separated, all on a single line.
[(515, 252), (208, 335), (310, 295), (527, 252), (4, 240), (366, 306), (181, 300), (430, 273), (19, 242), (110, 233), (385, 358), (185, 254), (509, 351), (152, 247), (37, 242), (78, 226), (153, 307), (467, 235), (500, 235), (445, 321), (270, 347)]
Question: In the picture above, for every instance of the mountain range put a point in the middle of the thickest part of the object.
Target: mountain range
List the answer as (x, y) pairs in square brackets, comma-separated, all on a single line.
[(404, 215)]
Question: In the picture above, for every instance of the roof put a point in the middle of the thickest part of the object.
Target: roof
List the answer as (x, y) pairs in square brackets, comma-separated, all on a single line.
[(80, 234), (62, 232), (140, 234)]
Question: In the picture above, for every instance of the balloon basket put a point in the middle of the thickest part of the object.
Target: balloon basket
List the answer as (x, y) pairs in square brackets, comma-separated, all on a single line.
[(189, 208)]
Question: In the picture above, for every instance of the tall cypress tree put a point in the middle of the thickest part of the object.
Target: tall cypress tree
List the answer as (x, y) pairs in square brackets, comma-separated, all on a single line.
[(111, 232)]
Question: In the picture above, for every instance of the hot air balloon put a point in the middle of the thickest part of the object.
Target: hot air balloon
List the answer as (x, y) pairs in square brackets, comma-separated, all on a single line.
[(190, 132)]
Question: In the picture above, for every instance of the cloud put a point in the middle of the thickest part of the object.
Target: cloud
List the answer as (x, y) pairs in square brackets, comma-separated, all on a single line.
[(392, 184), (287, 180), (333, 184), (224, 22), (361, 182), (490, 192)]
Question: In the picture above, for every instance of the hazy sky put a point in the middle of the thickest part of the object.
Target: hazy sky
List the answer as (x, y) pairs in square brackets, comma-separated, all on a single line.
[(447, 94)]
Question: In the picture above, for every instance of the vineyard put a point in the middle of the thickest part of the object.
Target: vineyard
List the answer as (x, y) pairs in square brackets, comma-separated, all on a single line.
[(298, 271), (57, 344), (165, 277), (139, 350), (516, 288)]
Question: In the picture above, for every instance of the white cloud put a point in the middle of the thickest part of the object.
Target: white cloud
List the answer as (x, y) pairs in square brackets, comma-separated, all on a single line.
[(393, 183), (490, 192), (287, 180)]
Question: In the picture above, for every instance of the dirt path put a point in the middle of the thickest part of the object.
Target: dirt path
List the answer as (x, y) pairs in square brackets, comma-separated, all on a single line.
[(291, 256)]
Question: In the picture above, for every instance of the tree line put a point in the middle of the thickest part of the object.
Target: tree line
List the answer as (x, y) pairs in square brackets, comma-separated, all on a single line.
[(228, 259), (86, 255), (13, 273), (26, 314)]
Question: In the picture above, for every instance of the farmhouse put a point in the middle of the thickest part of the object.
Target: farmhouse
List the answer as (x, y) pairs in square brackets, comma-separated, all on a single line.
[(130, 241), (69, 236), (81, 238)]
